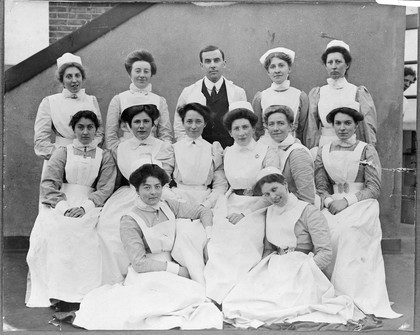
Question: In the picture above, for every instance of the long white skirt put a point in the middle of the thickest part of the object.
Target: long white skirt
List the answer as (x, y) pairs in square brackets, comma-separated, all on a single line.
[(114, 258), (64, 257), (152, 300), (233, 249), (357, 268), (287, 287)]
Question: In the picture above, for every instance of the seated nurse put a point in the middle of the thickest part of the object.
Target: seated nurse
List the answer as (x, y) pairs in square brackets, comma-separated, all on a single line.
[(157, 292), (348, 179), (242, 162), (142, 148), (64, 254), (199, 173), (287, 284)]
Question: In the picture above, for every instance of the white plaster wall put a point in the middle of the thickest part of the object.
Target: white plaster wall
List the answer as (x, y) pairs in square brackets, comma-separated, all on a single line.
[(26, 29)]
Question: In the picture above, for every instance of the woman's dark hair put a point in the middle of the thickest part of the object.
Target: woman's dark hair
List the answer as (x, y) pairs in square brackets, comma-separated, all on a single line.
[(357, 116), (129, 113), (64, 67), (408, 71), (280, 55), (286, 110), (343, 51), (239, 113), (271, 178), (204, 111), (145, 171), (84, 114), (140, 55)]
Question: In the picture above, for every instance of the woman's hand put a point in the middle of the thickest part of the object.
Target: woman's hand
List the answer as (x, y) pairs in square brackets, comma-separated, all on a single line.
[(234, 218), (183, 272), (337, 206), (75, 212)]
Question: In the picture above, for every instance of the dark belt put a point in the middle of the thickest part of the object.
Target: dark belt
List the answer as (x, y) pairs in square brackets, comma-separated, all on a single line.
[(239, 191)]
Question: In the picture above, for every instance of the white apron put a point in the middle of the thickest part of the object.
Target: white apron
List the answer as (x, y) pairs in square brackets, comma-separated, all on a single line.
[(193, 162), (64, 257), (152, 300), (285, 287), (357, 267)]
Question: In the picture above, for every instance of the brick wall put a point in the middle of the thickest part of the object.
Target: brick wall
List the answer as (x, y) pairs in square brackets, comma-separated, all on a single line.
[(66, 17)]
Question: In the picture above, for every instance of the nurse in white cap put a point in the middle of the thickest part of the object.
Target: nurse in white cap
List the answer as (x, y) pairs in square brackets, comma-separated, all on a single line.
[(338, 92), (278, 64), (55, 111)]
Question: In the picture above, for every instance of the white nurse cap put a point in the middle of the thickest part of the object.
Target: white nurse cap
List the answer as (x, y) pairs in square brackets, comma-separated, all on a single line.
[(68, 58), (267, 171), (338, 43), (288, 52), (240, 104)]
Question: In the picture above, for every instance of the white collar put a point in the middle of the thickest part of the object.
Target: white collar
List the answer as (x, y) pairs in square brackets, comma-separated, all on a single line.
[(79, 146), (337, 83), (198, 140), (79, 95), (284, 86), (288, 141), (140, 204), (135, 142), (134, 89), (209, 84), (250, 147), (347, 143)]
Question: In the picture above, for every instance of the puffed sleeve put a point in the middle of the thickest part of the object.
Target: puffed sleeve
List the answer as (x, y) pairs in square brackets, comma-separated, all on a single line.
[(164, 127), (113, 121), (303, 116), (219, 183), (311, 131), (43, 128), (179, 130), (322, 181), (132, 240), (318, 230), (100, 131), (167, 157), (106, 180), (371, 175), (53, 179), (191, 211), (271, 158), (367, 128), (256, 106), (302, 169)]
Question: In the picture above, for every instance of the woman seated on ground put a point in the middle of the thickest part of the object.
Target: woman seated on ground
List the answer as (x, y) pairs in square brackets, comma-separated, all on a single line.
[(288, 284), (348, 179), (242, 162), (141, 67), (296, 163), (164, 253), (278, 64), (198, 164), (64, 255), (141, 148)]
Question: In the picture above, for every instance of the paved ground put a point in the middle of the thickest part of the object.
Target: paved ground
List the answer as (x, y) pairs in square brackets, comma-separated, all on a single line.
[(399, 271)]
